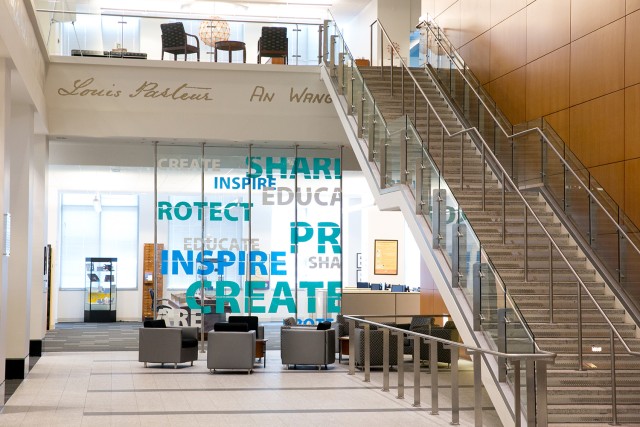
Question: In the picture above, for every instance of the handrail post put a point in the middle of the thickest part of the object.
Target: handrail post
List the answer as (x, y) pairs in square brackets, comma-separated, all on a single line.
[(516, 392), (325, 41), (462, 161), (402, 83), (483, 183), (531, 392), (361, 109), (526, 245), (614, 398), (400, 349), (352, 347), (455, 386), (385, 359), (341, 85), (332, 51), (391, 71), (417, 342), (541, 392), (381, 54), (383, 162), (504, 210), (433, 371), (372, 134), (371, 43), (419, 185), (550, 281), (367, 354), (477, 387), (579, 308), (502, 343), (404, 137)]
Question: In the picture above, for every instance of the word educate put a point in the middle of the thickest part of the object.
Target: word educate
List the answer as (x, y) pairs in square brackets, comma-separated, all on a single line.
[(148, 89), (223, 243), (228, 292)]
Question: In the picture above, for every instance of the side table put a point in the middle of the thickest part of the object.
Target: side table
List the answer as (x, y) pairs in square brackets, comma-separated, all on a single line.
[(261, 350), (230, 46), (344, 348)]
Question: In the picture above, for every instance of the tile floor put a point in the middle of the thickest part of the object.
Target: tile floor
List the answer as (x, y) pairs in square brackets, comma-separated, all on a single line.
[(111, 388)]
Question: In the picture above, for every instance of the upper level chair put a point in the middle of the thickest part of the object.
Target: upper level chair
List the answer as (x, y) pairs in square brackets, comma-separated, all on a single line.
[(273, 43), (174, 41)]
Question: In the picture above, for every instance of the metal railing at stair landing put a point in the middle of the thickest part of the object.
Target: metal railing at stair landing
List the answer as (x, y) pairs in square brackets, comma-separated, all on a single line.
[(536, 156), (407, 161), (474, 273)]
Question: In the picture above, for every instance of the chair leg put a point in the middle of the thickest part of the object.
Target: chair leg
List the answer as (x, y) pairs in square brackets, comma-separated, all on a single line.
[(175, 366), (162, 365), (145, 364), (192, 363)]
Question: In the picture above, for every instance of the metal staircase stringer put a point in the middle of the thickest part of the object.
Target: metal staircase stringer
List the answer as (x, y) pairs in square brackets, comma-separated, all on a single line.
[(400, 198)]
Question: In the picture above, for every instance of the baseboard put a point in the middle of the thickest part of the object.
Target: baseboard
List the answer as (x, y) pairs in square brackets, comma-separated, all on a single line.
[(35, 348), (16, 369)]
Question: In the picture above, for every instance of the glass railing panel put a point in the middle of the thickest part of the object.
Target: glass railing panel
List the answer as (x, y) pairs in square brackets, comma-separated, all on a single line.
[(471, 106), (503, 149), (458, 89), (527, 160), (357, 88), (449, 221), (414, 158), (64, 32), (577, 204), (486, 126), (368, 116), (380, 135), (430, 182), (605, 239), (469, 257), (396, 132), (443, 69), (492, 299), (630, 262), (553, 174)]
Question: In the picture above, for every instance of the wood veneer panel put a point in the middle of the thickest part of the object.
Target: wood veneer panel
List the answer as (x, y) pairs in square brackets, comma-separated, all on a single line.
[(476, 54), (611, 177), (632, 49), (633, 5), (632, 190), (449, 20), (442, 5), (508, 92), (597, 130), (589, 15), (475, 19), (507, 41), (632, 122), (597, 63), (559, 121), (548, 27), (547, 82), (502, 9)]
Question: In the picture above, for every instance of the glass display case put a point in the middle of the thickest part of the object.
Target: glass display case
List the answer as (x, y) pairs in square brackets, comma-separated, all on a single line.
[(100, 290)]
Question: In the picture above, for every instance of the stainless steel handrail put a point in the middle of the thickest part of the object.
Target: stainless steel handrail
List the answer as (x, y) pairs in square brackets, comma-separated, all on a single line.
[(524, 132)]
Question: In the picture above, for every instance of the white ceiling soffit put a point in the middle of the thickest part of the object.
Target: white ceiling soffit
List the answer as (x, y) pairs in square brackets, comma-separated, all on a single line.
[(343, 10)]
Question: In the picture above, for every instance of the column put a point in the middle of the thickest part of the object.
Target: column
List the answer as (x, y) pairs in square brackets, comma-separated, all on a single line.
[(5, 104), (39, 295), (20, 155)]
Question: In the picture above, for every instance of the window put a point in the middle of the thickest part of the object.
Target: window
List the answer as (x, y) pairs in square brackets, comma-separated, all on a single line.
[(95, 225)]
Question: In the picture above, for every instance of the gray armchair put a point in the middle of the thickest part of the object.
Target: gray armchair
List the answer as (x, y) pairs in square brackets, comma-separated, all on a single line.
[(375, 348), (167, 345), (231, 350), (307, 346)]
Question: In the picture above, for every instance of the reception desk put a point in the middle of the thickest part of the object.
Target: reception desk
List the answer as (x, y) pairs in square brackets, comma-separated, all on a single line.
[(366, 302)]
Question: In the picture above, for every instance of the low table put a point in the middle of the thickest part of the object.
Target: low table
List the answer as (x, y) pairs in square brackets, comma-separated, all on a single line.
[(261, 350), (230, 46), (344, 348)]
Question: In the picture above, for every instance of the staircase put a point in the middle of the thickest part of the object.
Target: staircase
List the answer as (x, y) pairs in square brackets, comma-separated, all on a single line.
[(574, 395)]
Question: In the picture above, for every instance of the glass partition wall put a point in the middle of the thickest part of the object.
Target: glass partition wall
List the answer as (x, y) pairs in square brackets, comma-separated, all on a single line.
[(249, 230)]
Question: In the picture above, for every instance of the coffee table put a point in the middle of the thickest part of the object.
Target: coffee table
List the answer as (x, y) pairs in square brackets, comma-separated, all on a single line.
[(261, 350)]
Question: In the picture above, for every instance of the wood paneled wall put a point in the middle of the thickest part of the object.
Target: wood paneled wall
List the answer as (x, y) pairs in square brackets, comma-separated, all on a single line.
[(574, 62)]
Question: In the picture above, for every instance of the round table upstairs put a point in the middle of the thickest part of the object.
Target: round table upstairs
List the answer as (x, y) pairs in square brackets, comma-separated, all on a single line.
[(231, 46)]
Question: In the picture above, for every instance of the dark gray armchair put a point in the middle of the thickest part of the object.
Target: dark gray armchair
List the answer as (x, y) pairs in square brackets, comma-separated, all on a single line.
[(159, 344), (229, 347), (375, 348), (307, 346)]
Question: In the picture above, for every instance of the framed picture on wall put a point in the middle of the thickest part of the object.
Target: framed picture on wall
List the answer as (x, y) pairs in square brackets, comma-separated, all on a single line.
[(385, 257)]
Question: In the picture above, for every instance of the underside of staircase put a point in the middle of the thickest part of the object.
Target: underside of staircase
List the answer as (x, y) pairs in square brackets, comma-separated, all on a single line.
[(574, 395)]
